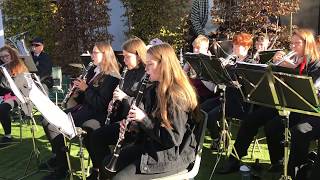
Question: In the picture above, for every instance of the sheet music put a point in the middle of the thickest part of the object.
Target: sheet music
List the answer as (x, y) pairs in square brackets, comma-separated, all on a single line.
[(51, 112), (252, 64), (13, 86)]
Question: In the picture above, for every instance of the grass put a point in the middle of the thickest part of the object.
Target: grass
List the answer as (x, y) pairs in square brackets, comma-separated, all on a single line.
[(14, 159)]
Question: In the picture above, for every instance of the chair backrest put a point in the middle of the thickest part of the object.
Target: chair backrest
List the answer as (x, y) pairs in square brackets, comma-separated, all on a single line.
[(199, 135), (57, 77), (200, 131), (193, 168)]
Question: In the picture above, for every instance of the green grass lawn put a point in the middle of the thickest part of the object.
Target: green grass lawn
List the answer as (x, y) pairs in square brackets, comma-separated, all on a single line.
[(14, 159)]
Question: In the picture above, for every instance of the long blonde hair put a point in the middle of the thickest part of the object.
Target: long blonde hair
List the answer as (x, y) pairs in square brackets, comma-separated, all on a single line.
[(109, 64), (310, 48), (136, 46), (174, 88)]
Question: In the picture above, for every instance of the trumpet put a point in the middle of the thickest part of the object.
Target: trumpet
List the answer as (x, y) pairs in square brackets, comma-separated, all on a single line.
[(230, 60), (72, 90), (111, 167), (112, 104), (286, 58)]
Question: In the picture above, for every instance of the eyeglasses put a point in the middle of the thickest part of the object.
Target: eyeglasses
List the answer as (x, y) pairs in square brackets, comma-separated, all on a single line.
[(5, 56), (36, 45)]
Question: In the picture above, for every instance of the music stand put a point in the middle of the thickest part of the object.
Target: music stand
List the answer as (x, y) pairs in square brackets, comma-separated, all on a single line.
[(26, 106), (210, 68), (28, 61), (52, 113), (267, 55), (282, 91)]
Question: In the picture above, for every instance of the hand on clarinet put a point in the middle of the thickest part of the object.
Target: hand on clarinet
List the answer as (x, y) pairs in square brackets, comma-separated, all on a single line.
[(118, 94), (80, 84), (135, 114)]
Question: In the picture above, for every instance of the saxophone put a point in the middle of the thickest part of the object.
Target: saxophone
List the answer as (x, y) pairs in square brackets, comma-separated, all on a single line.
[(113, 103), (111, 166)]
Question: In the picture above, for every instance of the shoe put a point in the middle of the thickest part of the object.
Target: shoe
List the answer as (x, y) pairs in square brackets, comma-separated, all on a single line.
[(94, 175), (215, 145), (6, 140), (275, 168), (56, 175), (50, 164), (232, 165)]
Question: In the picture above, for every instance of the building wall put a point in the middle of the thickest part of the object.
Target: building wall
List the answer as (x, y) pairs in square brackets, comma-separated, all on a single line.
[(117, 27), (1, 31), (307, 16)]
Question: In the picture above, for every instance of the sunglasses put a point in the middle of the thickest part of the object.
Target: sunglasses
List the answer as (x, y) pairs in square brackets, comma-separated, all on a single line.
[(36, 45)]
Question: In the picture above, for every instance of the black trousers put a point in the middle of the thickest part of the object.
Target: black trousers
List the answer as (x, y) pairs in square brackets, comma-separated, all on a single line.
[(100, 141), (302, 134), (273, 127), (129, 165), (234, 107), (5, 118), (56, 138), (212, 108)]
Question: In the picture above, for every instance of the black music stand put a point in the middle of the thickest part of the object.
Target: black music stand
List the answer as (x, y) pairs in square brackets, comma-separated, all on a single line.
[(282, 91), (210, 68)]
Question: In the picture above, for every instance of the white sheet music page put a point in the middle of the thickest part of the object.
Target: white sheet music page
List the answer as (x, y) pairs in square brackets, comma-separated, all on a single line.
[(51, 112)]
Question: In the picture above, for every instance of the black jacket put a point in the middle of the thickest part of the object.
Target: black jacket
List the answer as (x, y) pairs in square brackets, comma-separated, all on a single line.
[(166, 149), (96, 98), (44, 65), (131, 86)]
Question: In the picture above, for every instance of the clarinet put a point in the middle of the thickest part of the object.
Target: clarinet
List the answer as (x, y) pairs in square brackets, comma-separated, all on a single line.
[(112, 104), (111, 166), (72, 90)]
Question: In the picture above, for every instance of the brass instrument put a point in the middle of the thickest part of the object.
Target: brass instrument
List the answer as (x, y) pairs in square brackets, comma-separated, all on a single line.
[(112, 104), (111, 166), (72, 90), (286, 58)]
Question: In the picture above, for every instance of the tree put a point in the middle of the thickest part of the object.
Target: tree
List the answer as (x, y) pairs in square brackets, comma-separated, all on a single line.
[(79, 24), (157, 19), (253, 16), (69, 27), (34, 16)]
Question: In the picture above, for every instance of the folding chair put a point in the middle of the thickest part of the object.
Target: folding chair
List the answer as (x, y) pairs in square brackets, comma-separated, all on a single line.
[(193, 168), (57, 82)]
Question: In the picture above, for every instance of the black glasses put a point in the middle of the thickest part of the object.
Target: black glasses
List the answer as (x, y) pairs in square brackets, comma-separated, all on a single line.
[(5, 56), (36, 45)]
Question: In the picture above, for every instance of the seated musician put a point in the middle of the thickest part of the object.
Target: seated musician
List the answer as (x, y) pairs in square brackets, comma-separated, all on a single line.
[(305, 63), (164, 145), (94, 95), (15, 66), (261, 44), (242, 42), (205, 89), (134, 52)]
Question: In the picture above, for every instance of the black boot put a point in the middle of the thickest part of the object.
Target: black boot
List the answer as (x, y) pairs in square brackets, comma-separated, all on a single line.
[(94, 175), (232, 165)]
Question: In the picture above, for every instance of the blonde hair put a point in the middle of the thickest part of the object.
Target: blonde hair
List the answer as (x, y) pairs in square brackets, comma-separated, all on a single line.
[(174, 88), (200, 40), (109, 64), (136, 46), (16, 65), (310, 48)]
